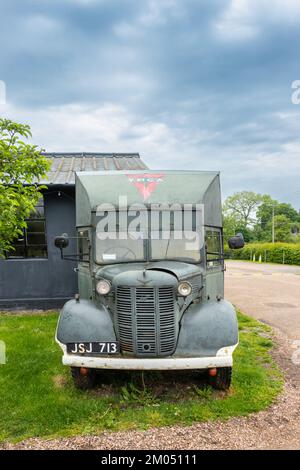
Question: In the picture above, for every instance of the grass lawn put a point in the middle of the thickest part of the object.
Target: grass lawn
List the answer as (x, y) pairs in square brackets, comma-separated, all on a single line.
[(38, 398)]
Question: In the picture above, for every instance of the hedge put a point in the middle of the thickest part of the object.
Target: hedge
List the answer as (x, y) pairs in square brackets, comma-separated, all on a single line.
[(283, 253)]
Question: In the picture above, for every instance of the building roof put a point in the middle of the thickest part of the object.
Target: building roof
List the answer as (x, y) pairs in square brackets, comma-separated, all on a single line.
[(64, 165)]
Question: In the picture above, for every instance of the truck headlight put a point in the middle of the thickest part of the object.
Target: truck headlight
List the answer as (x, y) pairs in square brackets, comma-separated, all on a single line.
[(184, 288), (103, 287)]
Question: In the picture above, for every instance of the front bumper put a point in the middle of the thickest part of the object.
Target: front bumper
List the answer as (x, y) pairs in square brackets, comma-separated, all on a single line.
[(223, 358)]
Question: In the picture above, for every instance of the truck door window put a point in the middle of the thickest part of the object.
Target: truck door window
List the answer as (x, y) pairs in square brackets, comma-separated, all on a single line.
[(213, 244), (83, 245)]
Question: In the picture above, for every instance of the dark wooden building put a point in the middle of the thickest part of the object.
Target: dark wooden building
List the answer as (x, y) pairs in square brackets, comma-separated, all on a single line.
[(34, 276)]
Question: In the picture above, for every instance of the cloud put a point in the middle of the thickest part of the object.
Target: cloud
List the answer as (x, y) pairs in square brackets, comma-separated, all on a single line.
[(198, 85), (246, 19), (42, 24), (172, 143), (237, 22)]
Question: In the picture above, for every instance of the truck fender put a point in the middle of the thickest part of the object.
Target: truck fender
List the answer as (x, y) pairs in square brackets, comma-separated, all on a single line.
[(84, 322), (206, 328)]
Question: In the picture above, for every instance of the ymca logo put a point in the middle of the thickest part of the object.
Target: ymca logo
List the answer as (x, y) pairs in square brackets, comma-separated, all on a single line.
[(146, 183)]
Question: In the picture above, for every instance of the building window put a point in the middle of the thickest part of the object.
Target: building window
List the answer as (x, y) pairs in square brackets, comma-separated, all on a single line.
[(33, 242), (213, 244)]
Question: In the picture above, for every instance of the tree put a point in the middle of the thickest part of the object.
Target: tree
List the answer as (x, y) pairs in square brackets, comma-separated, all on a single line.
[(242, 206), (232, 225), (283, 213), (21, 166), (265, 211), (283, 226), (252, 214)]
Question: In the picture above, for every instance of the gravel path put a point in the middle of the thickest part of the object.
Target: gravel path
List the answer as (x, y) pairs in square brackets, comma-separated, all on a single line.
[(276, 428)]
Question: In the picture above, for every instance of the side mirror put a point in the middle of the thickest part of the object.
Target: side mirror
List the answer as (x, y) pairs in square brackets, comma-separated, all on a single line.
[(236, 242), (62, 241)]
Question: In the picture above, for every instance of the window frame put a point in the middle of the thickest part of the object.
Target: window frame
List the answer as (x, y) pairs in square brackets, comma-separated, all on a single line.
[(147, 246), (215, 262), (11, 255), (83, 233)]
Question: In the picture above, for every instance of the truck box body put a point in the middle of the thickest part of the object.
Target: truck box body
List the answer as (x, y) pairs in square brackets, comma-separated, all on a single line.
[(154, 301)]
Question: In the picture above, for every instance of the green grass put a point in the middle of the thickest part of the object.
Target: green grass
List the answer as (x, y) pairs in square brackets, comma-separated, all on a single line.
[(38, 398)]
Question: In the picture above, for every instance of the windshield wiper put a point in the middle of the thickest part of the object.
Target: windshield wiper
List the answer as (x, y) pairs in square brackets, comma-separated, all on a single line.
[(167, 249)]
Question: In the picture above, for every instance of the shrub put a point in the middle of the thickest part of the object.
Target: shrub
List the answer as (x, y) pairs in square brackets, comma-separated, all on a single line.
[(283, 253)]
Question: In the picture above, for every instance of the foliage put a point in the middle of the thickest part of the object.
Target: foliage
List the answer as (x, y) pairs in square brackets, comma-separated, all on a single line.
[(252, 214), (242, 206), (39, 399), (265, 211), (282, 228), (231, 226), (21, 166), (289, 253)]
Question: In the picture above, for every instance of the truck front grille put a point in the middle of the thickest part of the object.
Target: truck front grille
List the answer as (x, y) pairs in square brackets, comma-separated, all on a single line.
[(145, 320)]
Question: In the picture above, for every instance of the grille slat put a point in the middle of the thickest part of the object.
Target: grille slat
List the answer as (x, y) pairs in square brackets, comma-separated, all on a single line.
[(145, 319)]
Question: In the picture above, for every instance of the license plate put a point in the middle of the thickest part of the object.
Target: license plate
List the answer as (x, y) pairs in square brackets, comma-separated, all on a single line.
[(111, 347)]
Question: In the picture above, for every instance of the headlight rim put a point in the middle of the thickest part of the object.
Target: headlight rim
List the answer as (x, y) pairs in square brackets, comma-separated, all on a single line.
[(186, 283), (108, 283)]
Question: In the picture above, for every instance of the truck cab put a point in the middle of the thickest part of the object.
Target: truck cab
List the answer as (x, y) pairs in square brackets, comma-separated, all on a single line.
[(150, 276)]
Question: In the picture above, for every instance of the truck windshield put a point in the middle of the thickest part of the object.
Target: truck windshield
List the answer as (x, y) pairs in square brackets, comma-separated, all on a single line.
[(149, 239), (177, 245), (119, 248), (124, 247)]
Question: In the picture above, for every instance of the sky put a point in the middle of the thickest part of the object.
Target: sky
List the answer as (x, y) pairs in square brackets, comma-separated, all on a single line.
[(189, 84)]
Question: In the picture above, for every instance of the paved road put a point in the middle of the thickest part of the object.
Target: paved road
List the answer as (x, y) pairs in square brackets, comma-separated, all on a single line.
[(271, 293), (268, 292)]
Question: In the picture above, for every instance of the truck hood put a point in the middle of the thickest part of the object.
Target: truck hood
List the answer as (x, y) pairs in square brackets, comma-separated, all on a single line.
[(178, 269)]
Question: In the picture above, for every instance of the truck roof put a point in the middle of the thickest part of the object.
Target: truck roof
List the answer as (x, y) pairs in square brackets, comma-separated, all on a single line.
[(148, 187)]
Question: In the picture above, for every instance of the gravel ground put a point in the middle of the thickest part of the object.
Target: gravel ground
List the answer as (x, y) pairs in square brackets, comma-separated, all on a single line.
[(276, 428)]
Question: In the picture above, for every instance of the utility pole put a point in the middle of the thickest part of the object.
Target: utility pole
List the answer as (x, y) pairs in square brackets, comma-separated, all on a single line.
[(273, 224)]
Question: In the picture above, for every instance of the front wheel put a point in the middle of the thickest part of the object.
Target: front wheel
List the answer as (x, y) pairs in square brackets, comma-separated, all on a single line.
[(83, 378), (222, 379)]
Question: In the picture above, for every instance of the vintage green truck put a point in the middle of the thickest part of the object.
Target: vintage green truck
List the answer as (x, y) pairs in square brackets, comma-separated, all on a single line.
[(150, 276)]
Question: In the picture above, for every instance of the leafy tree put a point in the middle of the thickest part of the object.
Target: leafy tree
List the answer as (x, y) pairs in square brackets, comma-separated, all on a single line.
[(242, 206), (282, 225), (252, 214), (263, 228), (288, 210), (21, 166), (230, 224), (265, 211)]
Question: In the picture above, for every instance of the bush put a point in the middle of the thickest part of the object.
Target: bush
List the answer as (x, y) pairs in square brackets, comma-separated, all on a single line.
[(283, 253)]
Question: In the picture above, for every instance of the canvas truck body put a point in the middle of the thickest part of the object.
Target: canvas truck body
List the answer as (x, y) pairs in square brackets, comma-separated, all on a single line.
[(154, 300)]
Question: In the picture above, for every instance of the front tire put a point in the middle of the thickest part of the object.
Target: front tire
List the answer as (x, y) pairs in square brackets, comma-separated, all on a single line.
[(222, 380), (83, 381)]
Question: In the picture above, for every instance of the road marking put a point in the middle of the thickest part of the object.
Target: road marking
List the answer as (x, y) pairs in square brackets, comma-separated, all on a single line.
[(258, 274)]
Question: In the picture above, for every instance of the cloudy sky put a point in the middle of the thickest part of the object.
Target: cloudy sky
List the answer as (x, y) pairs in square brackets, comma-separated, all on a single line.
[(190, 84)]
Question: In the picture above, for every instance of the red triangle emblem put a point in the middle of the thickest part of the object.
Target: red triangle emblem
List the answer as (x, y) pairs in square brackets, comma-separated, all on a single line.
[(146, 183)]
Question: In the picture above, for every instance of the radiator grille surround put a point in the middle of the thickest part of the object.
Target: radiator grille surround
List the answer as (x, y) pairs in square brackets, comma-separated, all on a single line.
[(146, 320)]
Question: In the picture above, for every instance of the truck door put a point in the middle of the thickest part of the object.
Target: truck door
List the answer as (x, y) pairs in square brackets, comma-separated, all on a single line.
[(84, 275)]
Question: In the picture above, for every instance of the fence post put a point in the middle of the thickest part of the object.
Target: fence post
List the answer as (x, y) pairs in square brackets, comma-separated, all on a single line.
[(283, 257), (265, 256)]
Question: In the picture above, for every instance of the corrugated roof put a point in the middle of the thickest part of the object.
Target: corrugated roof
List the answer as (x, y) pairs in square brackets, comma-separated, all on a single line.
[(64, 165)]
